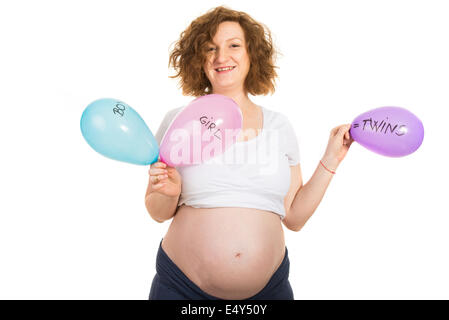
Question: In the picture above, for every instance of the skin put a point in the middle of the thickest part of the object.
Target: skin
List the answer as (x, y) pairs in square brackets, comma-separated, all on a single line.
[(231, 253)]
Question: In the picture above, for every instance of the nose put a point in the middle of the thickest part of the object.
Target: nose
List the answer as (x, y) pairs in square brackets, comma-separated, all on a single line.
[(221, 55)]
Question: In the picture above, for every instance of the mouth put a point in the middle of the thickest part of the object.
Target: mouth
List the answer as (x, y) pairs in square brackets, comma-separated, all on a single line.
[(225, 69)]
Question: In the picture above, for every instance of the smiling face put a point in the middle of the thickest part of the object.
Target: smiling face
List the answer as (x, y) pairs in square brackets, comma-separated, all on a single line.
[(227, 62)]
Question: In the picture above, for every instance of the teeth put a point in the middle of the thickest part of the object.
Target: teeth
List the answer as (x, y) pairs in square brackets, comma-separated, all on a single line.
[(224, 69)]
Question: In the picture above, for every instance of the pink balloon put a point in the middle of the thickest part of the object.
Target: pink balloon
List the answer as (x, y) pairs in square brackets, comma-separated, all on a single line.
[(204, 129)]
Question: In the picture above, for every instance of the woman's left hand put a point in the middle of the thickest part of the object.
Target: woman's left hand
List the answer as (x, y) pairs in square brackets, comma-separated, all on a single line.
[(339, 142)]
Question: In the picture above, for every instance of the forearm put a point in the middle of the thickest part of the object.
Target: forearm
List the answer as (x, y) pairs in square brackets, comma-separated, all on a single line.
[(161, 207), (310, 195)]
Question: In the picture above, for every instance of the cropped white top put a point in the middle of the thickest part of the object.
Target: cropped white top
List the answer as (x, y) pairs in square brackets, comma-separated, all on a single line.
[(249, 174)]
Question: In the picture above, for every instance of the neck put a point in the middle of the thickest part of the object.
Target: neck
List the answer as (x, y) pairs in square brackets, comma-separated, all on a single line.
[(242, 100)]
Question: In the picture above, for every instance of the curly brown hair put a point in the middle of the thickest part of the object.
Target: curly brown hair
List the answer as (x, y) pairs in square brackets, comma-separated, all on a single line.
[(190, 53)]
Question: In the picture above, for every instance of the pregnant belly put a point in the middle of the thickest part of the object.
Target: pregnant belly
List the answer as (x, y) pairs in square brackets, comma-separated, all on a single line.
[(229, 253)]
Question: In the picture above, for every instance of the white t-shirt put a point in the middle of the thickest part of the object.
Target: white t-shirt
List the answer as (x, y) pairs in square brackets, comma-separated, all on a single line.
[(249, 174)]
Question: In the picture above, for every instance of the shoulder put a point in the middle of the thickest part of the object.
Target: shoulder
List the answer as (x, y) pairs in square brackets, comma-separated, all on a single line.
[(170, 114), (275, 119), (280, 122), (166, 122)]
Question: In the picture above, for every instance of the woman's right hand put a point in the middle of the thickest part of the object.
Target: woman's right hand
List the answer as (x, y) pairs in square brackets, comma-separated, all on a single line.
[(165, 180)]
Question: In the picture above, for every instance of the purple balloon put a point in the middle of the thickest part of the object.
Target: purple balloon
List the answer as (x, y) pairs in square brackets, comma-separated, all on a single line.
[(389, 131)]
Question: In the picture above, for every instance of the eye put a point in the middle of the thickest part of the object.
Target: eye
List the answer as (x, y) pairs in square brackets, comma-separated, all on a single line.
[(235, 45)]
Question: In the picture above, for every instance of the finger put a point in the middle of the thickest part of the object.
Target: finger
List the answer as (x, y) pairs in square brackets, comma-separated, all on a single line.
[(157, 179), (348, 134), (158, 165), (347, 143), (162, 164), (349, 140), (334, 131), (348, 128), (154, 172), (158, 186), (343, 129), (338, 129), (339, 132)]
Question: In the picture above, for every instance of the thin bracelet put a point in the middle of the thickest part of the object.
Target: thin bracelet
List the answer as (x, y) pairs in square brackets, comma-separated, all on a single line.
[(333, 172)]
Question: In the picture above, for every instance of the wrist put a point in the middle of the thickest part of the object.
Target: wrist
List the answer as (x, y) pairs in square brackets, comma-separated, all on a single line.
[(329, 163), (165, 197)]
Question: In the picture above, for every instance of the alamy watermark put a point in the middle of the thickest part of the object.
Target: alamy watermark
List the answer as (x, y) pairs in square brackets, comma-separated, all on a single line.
[(262, 148)]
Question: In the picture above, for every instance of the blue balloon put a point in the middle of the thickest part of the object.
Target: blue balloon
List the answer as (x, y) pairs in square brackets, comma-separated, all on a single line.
[(115, 130)]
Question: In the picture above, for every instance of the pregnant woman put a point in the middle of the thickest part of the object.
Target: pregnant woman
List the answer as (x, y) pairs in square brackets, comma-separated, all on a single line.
[(226, 238)]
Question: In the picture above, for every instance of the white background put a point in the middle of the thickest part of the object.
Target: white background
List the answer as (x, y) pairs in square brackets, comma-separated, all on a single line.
[(73, 224)]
